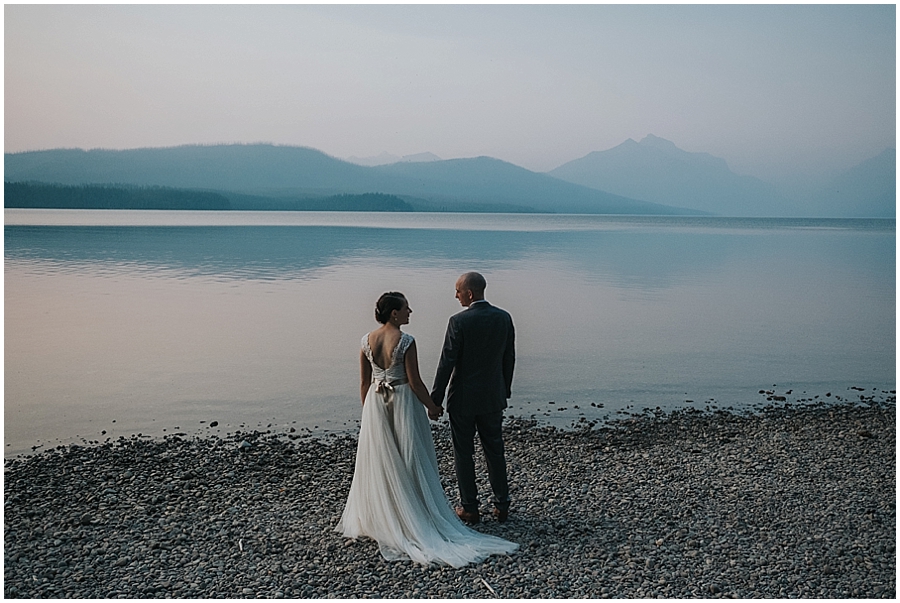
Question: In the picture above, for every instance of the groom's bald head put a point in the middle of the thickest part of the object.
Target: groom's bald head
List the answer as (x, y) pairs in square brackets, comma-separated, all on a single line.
[(470, 288), (474, 282)]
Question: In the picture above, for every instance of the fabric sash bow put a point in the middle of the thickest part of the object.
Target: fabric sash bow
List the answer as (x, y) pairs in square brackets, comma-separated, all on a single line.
[(386, 389)]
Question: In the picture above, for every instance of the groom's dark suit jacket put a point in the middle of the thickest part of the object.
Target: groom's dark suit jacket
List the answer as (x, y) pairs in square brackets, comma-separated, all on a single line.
[(477, 361)]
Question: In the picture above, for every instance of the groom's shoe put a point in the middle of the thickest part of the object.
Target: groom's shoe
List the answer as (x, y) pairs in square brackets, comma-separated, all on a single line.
[(501, 515), (471, 518)]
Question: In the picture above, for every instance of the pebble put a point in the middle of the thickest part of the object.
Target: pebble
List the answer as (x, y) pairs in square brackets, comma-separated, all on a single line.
[(780, 503)]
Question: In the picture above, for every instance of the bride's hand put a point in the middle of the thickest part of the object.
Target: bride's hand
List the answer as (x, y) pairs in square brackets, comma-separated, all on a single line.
[(435, 412)]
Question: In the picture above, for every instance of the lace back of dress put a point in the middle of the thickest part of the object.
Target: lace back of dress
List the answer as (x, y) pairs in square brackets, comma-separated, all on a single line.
[(397, 370)]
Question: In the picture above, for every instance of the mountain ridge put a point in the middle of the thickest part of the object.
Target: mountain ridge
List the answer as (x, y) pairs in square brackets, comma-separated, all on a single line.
[(656, 170), (870, 186), (272, 170), (386, 158), (650, 176)]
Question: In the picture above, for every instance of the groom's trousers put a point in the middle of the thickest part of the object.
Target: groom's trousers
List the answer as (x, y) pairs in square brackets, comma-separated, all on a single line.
[(490, 432)]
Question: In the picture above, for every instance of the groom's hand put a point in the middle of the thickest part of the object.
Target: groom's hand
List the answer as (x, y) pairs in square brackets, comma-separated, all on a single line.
[(435, 413)]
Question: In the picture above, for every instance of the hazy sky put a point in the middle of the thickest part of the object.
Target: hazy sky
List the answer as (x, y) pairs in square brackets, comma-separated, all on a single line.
[(777, 91)]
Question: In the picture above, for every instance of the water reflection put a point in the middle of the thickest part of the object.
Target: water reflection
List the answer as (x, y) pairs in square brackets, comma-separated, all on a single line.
[(269, 252), (165, 326), (647, 259)]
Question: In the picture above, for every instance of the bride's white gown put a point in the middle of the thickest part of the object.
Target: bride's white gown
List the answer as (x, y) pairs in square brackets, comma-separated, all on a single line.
[(396, 496)]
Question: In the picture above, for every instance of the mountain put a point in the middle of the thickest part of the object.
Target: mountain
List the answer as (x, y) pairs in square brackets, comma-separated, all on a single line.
[(222, 167), (489, 180), (866, 190), (654, 169), (387, 158), (481, 184)]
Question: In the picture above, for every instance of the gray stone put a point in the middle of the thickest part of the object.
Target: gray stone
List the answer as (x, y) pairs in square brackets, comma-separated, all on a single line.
[(784, 503)]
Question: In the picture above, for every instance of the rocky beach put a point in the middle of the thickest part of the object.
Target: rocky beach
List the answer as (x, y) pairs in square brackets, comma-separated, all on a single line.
[(785, 501)]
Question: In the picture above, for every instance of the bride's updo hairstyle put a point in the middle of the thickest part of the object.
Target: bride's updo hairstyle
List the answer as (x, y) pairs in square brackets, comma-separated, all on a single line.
[(387, 303)]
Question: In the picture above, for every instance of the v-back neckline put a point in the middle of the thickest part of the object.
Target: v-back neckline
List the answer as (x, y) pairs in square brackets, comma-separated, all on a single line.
[(393, 351)]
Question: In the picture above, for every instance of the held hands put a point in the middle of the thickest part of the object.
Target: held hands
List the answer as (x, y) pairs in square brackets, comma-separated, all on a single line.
[(435, 411), (436, 408)]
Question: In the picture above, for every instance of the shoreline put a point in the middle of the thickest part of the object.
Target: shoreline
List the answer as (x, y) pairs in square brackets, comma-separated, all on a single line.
[(794, 501), (561, 415)]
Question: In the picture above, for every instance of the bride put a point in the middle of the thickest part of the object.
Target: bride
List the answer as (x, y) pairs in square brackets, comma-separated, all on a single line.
[(396, 496)]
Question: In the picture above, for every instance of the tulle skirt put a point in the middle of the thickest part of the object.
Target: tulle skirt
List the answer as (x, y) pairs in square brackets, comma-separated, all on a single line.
[(396, 496)]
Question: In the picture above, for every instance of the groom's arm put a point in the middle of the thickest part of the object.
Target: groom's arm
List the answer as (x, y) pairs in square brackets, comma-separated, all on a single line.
[(509, 358), (449, 354)]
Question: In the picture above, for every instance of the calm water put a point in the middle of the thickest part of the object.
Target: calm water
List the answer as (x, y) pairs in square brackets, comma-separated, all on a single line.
[(162, 322)]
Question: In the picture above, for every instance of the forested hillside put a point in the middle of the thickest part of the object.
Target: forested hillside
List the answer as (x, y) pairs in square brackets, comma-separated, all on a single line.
[(101, 196), (87, 196)]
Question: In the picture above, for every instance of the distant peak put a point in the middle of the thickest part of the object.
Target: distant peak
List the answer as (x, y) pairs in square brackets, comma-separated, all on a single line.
[(421, 157), (656, 142), (386, 158), (628, 143), (383, 158)]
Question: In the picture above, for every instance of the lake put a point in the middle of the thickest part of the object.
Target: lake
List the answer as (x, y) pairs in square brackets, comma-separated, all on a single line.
[(127, 322)]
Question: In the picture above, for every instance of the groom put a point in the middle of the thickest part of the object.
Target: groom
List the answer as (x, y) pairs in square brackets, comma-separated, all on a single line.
[(477, 361)]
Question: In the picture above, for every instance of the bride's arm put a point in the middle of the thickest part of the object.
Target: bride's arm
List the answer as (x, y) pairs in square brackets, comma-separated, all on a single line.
[(365, 376), (411, 362)]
